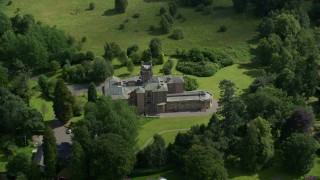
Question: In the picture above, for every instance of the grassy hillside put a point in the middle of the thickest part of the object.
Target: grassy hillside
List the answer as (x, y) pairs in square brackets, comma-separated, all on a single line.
[(102, 24)]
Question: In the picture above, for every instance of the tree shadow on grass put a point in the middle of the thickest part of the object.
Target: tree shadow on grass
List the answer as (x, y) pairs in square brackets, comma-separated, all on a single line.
[(252, 69), (123, 75), (155, 32), (117, 66), (110, 12)]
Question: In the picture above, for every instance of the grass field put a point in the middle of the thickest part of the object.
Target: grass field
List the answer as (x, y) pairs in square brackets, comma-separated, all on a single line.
[(160, 124), (102, 24)]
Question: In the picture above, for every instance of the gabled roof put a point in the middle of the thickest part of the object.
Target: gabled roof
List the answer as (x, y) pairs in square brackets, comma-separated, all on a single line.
[(173, 79)]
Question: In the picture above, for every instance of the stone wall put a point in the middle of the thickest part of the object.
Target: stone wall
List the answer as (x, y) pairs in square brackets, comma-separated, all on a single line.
[(175, 88)]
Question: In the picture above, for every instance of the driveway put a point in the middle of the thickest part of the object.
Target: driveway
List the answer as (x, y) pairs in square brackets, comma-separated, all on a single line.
[(64, 142)]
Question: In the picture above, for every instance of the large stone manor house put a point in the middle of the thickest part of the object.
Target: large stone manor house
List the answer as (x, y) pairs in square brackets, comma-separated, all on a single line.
[(153, 94)]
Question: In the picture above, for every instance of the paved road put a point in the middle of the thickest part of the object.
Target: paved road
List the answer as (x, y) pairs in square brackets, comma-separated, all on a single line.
[(162, 132)]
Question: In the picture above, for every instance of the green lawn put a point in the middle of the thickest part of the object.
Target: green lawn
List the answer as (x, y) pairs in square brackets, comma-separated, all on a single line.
[(160, 124), (40, 102), (98, 27)]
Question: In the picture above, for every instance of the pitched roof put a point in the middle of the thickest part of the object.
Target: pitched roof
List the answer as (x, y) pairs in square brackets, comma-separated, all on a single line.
[(173, 79)]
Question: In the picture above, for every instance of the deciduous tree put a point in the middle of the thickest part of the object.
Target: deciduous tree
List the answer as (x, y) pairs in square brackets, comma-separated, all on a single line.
[(299, 153), (257, 146), (204, 163)]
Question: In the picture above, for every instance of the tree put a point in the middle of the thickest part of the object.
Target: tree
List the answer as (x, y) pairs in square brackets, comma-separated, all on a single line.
[(162, 10), (240, 6), (111, 158), (263, 7), (301, 121), (130, 66), (50, 153), (272, 104), (165, 25), (259, 143), (299, 153), (16, 118), (54, 66), (63, 102), (123, 58), (155, 47), (110, 116), (190, 84), (204, 163), (79, 162), (232, 108), (121, 5), (132, 49), (154, 155), (20, 85), (173, 9), (177, 34), (18, 164), (5, 23), (3, 77), (43, 82), (91, 6), (92, 92), (101, 70), (111, 50)]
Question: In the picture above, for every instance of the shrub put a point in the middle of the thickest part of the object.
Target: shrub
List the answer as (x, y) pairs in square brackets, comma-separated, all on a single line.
[(207, 10), (121, 5), (180, 16), (126, 20), (77, 108), (90, 55), (84, 39), (137, 15), (54, 66), (199, 8), (190, 84), (167, 67), (223, 28), (121, 26), (92, 6), (202, 69), (9, 3), (162, 10), (177, 34), (173, 9), (132, 49), (136, 58), (152, 28)]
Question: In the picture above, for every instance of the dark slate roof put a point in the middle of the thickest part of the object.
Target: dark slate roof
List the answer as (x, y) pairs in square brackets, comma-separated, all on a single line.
[(189, 96), (173, 79), (140, 90)]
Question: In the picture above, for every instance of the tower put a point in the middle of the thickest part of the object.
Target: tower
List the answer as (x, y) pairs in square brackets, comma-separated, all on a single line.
[(146, 71)]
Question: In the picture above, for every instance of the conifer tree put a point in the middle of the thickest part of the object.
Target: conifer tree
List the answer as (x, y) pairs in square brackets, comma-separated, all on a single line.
[(63, 101), (50, 153), (92, 93)]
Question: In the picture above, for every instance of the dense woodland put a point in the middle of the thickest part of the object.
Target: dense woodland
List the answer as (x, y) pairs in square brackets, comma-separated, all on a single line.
[(272, 123)]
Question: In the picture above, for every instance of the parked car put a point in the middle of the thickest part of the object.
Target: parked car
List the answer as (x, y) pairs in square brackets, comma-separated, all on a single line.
[(68, 131)]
